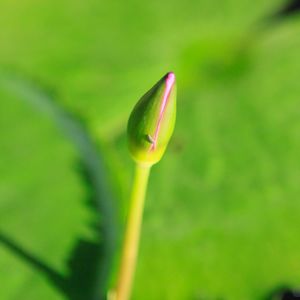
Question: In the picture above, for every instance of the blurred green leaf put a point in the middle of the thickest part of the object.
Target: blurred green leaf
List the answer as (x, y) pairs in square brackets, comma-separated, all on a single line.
[(57, 224), (99, 53), (222, 215)]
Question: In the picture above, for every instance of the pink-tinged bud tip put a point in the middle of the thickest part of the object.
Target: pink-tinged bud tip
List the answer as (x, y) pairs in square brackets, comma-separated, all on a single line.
[(152, 121), (170, 80)]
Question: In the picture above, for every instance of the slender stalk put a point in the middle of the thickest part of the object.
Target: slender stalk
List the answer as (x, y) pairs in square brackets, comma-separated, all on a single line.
[(132, 233)]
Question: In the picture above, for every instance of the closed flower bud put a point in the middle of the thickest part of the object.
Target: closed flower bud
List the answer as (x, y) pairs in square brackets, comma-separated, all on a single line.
[(152, 121)]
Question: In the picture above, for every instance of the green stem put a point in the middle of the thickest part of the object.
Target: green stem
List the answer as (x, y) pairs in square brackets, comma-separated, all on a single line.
[(132, 233)]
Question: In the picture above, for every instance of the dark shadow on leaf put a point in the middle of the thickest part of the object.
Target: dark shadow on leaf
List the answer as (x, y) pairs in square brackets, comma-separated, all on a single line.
[(283, 293), (291, 7), (83, 265), (54, 276), (80, 284)]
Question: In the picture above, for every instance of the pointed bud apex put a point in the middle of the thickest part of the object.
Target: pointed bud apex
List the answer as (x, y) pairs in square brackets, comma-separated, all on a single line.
[(152, 121)]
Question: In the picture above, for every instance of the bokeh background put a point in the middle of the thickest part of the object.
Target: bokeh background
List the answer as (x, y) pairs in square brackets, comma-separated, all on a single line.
[(222, 217)]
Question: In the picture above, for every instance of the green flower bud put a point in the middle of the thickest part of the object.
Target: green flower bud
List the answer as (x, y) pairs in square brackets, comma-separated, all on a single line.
[(152, 121)]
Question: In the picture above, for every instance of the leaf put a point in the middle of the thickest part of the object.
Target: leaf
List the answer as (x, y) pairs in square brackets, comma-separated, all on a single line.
[(52, 192), (221, 220), (109, 56)]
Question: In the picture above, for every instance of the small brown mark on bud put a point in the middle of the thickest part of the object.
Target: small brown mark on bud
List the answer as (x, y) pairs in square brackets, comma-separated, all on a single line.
[(150, 139)]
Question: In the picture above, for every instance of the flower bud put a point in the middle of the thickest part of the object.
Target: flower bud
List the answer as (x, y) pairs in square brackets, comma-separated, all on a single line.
[(152, 121)]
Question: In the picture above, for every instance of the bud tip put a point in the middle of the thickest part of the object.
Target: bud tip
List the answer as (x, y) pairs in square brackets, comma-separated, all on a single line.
[(170, 80)]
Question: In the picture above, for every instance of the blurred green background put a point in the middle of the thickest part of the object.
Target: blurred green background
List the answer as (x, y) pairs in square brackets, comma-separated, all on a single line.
[(222, 216)]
